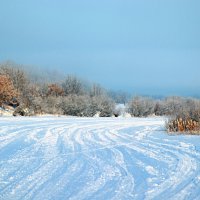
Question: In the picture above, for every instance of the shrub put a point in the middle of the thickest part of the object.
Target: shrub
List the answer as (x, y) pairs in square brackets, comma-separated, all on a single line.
[(75, 105), (87, 106), (187, 118), (72, 86), (141, 107), (104, 105), (55, 90), (21, 111), (183, 125), (7, 90)]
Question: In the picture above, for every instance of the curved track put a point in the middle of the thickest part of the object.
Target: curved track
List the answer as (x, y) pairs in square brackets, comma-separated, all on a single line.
[(96, 158)]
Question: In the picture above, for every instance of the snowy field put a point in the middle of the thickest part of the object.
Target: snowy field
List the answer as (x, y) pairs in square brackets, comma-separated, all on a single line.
[(49, 158)]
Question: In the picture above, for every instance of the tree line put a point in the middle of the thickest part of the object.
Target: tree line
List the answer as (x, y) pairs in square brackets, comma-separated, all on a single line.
[(31, 95), (69, 97), (183, 113)]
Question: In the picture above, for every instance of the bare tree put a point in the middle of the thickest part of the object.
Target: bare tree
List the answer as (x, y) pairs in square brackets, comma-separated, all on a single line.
[(141, 106), (96, 90), (120, 97), (72, 85)]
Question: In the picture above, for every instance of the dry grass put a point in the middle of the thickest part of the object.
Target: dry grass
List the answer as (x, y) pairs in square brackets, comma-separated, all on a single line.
[(180, 125)]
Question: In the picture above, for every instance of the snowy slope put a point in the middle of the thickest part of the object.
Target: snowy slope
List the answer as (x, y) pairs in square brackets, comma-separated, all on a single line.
[(96, 158)]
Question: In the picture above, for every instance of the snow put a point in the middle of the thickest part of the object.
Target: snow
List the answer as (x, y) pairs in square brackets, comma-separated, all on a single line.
[(96, 158), (120, 106), (6, 112)]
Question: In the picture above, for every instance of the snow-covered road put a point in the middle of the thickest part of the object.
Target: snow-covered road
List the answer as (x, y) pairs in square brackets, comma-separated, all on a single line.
[(49, 158)]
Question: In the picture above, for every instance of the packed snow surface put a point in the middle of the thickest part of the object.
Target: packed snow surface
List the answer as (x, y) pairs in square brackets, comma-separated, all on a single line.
[(58, 158)]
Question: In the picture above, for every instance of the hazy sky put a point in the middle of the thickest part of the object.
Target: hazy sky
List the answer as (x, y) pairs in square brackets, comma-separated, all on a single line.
[(142, 46)]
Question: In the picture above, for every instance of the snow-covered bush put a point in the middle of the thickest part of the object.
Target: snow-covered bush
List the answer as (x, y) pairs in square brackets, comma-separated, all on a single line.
[(86, 106), (120, 110), (75, 105), (141, 107), (104, 105), (72, 86)]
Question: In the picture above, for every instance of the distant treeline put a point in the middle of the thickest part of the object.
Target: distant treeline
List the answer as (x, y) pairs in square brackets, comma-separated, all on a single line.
[(34, 92), (183, 113), (32, 95)]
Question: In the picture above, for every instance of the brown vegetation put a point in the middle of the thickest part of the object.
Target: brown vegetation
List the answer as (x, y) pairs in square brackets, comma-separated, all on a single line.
[(183, 125), (7, 90), (55, 90), (187, 118)]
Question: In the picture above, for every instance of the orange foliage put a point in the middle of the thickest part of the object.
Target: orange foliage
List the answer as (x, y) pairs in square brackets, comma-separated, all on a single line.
[(186, 125), (55, 90), (7, 90)]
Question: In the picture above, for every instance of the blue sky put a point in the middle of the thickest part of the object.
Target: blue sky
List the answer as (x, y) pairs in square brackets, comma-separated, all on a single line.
[(141, 46)]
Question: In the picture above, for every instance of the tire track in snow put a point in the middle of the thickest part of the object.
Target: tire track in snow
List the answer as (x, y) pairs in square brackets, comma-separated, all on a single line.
[(96, 158)]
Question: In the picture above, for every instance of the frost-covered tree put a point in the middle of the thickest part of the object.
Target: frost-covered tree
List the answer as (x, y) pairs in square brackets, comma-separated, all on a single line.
[(120, 97), (72, 85), (86, 106), (75, 105), (141, 106), (96, 90), (104, 105)]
